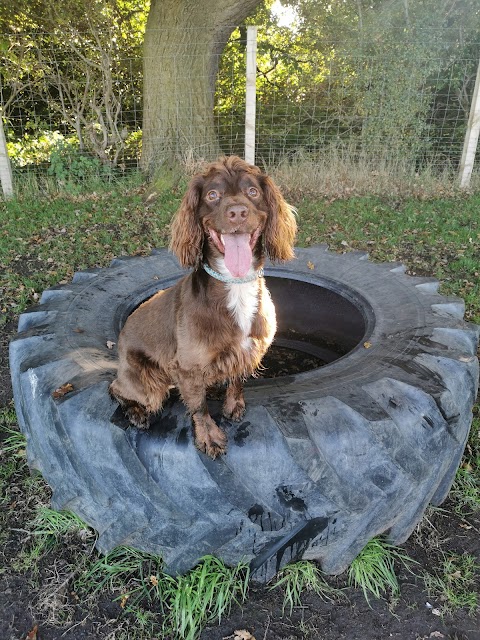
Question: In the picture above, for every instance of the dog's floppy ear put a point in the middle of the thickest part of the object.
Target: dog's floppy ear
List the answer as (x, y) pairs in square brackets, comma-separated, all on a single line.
[(187, 235), (281, 226)]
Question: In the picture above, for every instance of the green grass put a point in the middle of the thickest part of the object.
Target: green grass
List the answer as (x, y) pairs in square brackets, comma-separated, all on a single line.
[(50, 526), (15, 442), (438, 238), (465, 492), (186, 603), (373, 570), (202, 596), (300, 577), (43, 242), (48, 529), (456, 583), (128, 571), (12, 452)]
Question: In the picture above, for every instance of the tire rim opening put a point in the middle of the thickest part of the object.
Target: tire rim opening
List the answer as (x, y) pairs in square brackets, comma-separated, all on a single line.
[(316, 325)]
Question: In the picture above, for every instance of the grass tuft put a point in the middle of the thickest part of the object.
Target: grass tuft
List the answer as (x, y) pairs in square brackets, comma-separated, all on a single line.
[(204, 595), (187, 603), (12, 452), (299, 577), (49, 527), (51, 523), (373, 570), (131, 572), (466, 487)]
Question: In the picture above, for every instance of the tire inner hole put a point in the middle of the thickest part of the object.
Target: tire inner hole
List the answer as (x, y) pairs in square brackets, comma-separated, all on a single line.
[(316, 325)]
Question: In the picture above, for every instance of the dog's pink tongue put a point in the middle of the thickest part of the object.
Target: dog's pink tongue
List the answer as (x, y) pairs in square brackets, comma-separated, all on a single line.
[(238, 253)]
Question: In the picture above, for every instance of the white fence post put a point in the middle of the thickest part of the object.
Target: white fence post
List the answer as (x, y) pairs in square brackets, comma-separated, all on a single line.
[(251, 95), (471, 137), (5, 167)]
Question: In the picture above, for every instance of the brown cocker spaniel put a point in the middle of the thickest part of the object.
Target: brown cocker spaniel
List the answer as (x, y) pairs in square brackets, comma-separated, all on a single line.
[(214, 325)]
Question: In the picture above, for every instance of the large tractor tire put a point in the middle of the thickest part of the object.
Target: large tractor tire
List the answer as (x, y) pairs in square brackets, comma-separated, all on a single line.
[(323, 459)]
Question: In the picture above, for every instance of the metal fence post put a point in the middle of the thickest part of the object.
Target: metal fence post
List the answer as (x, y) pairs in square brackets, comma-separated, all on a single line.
[(471, 137), (251, 97), (5, 167)]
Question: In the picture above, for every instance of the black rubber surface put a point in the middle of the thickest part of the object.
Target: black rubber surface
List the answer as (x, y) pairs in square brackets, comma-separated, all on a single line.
[(322, 461)]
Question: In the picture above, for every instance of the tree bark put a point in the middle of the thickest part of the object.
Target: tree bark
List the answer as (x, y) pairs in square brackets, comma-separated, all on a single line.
[(183, 43)]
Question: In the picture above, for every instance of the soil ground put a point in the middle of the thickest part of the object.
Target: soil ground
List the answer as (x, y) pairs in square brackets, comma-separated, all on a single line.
[(40, 605)]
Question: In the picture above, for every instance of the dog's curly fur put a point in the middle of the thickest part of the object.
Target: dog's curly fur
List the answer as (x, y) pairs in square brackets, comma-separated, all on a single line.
[(204, 331)]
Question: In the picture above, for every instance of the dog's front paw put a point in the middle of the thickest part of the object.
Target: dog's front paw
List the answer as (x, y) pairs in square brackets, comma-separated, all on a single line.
[(234, 411), (209, 438)]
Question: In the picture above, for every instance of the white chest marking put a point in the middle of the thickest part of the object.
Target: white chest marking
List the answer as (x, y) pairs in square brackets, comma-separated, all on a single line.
[(242, 302)]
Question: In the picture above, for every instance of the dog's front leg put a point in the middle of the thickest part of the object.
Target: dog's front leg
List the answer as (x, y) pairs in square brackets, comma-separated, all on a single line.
[(234, 406), (209, 438)]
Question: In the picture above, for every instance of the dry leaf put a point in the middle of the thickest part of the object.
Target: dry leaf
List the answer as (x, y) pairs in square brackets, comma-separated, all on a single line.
[(243, 635), (367, 345), (154, 581), (310, 265), (32, 635), (123, 601), (62, 391), (110, 344)]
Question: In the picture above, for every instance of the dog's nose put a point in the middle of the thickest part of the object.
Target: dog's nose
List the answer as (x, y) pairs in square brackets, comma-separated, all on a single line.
[(237, 212)]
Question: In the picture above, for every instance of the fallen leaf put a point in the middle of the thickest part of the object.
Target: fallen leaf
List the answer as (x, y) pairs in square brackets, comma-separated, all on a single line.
[(243, 635), (123, 601), (32, 635), (110, 344), (151, 197), (78, 330), (310, 265), (154, 580), (367, 345), (62, 391)]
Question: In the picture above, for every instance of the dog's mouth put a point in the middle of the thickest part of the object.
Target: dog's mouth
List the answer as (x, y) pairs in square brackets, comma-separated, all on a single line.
[(237, 249)]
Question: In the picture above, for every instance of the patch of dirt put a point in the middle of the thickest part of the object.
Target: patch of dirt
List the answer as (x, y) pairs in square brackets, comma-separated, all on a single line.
[(7, 333)]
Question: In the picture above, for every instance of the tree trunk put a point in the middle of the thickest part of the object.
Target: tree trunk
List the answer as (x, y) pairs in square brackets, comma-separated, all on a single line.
[(183, 43)]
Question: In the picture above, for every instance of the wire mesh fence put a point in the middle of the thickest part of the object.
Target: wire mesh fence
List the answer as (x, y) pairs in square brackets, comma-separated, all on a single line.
[(76, 108)]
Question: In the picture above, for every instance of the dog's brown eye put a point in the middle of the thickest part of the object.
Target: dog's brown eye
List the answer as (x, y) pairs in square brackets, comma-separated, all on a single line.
[(213, 195), (253, 192)]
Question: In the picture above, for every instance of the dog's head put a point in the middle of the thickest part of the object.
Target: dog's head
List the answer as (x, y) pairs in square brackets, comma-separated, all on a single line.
[(234, 211)]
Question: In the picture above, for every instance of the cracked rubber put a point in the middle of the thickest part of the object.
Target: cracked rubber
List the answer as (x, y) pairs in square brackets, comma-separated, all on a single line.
[(321, 462)]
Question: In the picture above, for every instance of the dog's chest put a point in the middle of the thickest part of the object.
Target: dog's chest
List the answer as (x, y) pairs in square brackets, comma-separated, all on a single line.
[(242, 303)]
